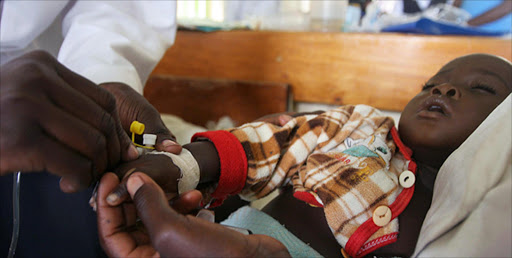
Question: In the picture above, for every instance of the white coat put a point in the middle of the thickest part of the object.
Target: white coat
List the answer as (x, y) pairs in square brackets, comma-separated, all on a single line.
[(104, 41)]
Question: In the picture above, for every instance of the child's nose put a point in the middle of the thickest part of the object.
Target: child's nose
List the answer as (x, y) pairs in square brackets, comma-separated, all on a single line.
[(447, 90)]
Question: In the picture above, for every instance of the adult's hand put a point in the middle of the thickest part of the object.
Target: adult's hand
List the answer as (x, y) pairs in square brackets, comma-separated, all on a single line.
[(132, 106), (122, 234), (169, 232), (58, 121)]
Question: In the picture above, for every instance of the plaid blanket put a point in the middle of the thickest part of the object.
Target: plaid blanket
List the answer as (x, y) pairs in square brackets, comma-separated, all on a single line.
[(344, 160)]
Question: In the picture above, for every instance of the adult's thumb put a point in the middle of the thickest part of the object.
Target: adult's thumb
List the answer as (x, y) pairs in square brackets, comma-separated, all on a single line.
[(165, 140), (134, 183), (150, 202)]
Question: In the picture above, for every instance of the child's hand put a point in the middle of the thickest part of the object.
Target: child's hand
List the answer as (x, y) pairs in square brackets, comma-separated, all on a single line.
[(279, 119), (159, 167)]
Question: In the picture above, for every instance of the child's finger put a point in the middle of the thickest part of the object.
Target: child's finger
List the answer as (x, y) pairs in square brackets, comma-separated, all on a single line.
[(168, 145), (187, 202)]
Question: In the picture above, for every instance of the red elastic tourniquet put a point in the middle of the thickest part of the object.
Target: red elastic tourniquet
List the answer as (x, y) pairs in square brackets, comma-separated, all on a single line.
[(355, 245), (233, 163)]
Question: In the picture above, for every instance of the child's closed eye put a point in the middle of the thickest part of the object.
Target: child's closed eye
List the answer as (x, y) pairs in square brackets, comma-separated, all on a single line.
[(484, 88)]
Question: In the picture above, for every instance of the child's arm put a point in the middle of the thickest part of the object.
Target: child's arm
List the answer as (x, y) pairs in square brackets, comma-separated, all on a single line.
[(207, 158), (165, 172), (256, 158), (205, 149)]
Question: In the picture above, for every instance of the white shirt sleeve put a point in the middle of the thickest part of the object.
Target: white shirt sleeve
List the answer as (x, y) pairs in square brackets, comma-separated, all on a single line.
[(29, 25), (18, 31), (117, 41)]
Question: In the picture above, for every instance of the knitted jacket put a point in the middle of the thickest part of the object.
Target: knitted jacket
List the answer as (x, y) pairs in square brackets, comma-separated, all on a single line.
[(345, 160)]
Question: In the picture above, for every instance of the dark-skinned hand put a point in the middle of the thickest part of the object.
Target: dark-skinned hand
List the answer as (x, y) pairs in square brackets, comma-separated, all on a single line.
[(165, 231), (135, 237), (157, 166), (132, 106), (161, 168), (55, 120), (278, 119)]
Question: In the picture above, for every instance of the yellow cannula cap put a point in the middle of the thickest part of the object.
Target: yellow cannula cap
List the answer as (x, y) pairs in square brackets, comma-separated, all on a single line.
[(137, 127)]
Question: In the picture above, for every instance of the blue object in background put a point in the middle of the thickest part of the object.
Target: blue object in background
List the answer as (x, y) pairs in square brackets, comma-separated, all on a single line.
[(478, 7), (430, 27)]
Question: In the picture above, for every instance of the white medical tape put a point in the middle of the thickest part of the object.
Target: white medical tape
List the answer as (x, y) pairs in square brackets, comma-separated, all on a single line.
[(190, 172)]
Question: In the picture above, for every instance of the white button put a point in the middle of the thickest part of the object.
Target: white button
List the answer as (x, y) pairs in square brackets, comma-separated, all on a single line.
[(407, 179), (381, 216)]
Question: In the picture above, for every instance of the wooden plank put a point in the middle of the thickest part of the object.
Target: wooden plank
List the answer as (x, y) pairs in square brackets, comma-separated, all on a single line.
[(199, 100), (383, 70)]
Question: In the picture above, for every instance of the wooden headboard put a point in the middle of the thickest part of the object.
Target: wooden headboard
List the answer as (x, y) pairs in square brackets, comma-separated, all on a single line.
[(383, 70), (199, 100)]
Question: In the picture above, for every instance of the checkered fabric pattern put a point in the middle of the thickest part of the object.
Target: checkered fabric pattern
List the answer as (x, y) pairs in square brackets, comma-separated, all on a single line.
[(343, 160)]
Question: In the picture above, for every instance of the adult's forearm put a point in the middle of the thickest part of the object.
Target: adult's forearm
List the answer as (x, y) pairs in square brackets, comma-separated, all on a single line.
[(493, 14)]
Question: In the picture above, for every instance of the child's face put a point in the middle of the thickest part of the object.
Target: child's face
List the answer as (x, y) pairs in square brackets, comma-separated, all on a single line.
[(452, 104)]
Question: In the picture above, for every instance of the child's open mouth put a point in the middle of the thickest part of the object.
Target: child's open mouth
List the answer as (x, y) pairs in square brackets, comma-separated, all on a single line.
[(436, 108)]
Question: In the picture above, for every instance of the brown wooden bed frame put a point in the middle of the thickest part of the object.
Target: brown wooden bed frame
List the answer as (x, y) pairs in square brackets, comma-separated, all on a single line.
[(246, 74)]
